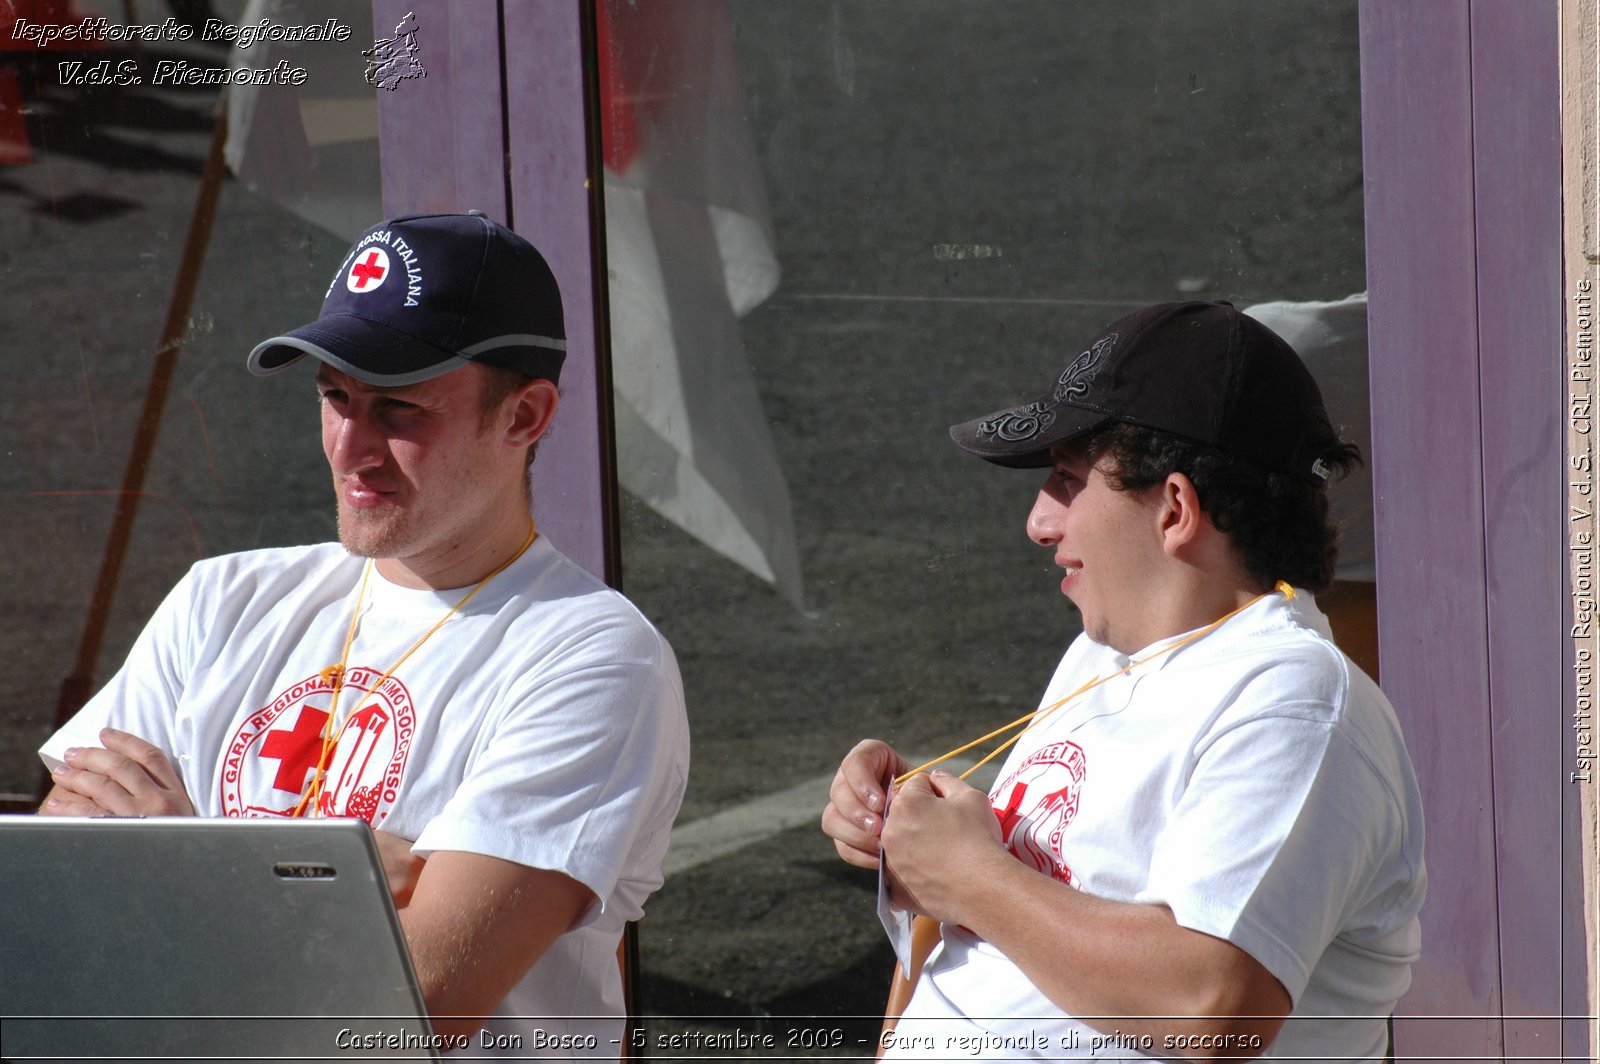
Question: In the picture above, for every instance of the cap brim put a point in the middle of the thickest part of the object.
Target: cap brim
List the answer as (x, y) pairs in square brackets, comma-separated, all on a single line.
[(1021, 436), (366, 350)]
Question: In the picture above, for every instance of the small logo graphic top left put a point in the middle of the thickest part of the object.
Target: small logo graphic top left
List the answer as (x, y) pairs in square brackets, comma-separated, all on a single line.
[(392, 60)]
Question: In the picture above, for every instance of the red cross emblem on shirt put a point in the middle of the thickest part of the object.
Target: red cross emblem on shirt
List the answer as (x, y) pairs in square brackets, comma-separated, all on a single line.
[(1011, 815), (296, 749)]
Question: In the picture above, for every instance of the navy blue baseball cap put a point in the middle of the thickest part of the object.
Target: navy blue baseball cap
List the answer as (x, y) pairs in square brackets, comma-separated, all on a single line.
[(1204, 371), (425, 294)]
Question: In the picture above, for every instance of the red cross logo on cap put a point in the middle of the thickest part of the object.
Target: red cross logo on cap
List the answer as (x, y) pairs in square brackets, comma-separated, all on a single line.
[(368, 271)]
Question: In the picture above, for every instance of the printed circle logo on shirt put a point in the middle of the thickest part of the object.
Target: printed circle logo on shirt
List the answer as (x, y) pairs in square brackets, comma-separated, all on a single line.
[(1037, 802), (273, 754), (369, 270)]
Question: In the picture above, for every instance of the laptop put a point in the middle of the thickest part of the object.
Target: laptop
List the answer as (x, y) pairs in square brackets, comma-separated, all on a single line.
[(170, 937)]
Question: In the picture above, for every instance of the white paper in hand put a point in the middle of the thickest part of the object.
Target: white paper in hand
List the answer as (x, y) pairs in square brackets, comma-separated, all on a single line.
[(896, 922)]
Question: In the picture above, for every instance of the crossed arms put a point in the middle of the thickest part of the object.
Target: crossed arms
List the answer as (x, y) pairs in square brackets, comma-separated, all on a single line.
[(474, 924)]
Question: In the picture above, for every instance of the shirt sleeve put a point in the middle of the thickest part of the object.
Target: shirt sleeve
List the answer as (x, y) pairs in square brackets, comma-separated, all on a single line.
[(142, 697), (583, 775), (1276, 832)]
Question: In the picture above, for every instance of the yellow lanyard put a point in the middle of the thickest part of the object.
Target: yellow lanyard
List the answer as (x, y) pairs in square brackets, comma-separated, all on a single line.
[(1032, 720), (336, 673)]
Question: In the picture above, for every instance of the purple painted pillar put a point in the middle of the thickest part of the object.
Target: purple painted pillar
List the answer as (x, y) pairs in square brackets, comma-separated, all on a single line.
[(440, 138), (1461, 135), (554, 177), (1516, 130), (500, 123), (1428, 499)]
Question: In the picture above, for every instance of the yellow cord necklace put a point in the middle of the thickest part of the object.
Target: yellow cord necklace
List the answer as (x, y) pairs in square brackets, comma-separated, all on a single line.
[(1032, 720), (336, 673)]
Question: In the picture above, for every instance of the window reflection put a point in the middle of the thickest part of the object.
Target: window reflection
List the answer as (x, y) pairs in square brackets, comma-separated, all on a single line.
[(108, 341), (958, 192)]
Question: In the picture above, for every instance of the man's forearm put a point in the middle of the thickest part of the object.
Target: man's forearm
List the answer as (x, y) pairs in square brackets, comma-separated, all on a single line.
[(476, 924), (1119, 965), (1107, 962)]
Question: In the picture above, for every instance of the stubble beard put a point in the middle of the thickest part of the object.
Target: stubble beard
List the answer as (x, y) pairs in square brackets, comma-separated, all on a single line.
[(373, 534)]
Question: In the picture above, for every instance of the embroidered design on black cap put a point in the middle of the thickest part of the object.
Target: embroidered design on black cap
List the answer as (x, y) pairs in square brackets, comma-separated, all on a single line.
[(1077, 377), (1021, 424)]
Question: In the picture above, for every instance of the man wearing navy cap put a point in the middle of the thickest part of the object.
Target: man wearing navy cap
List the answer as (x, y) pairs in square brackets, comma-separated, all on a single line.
[(1208, 839), (513, 730)]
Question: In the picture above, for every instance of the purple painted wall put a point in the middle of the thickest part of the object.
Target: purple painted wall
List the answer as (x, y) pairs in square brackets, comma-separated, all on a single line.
[(554, 172), (1462, 149), (1516, 124), (440, 137), (1427, 498), (503, 129)]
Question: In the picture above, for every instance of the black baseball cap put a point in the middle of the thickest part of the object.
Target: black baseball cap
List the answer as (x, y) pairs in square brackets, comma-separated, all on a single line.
[(1203, 371), (422, 295)]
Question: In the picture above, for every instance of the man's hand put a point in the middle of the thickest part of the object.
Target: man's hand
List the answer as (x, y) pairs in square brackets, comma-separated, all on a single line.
[(126, 777), (940, 835), (401, 867), (854, 815)]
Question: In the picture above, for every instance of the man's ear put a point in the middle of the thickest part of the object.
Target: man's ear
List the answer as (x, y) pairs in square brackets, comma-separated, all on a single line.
[(533, 406), (1181, 520)]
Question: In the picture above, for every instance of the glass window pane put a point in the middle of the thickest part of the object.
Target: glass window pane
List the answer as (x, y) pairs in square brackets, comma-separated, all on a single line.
[(924, 206), (103, 190)]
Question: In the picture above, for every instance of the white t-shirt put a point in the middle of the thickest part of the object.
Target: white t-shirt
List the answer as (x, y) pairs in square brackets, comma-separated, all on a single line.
[(1255, 783), (543, 723)]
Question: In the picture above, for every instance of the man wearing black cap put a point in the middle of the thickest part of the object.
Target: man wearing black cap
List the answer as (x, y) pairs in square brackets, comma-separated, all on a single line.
[(512, 729), (1210, 829)]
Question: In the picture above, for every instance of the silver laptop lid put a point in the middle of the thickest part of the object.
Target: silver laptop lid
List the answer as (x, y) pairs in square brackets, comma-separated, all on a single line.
[(183, 937)]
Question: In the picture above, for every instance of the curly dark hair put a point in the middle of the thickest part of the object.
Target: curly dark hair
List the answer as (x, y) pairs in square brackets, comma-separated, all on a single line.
[(1276, 522)]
